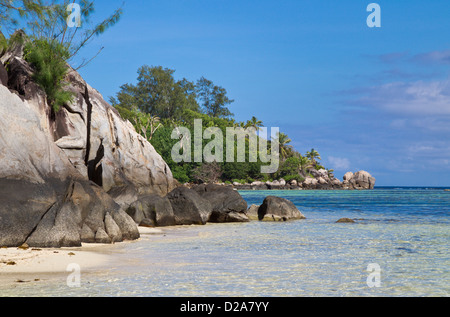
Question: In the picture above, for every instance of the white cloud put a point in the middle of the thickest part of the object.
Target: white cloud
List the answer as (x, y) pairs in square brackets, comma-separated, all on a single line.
[(339, 164), (410, 97), (416, 98)]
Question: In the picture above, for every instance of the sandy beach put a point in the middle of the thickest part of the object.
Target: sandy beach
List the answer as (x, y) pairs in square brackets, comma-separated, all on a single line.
[(37, 265)]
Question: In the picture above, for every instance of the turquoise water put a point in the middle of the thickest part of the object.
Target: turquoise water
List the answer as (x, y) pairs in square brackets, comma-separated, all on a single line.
[(404, 231)]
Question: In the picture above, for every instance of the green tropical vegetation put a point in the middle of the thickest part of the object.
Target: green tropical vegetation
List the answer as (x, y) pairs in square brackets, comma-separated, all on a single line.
[(157, 104), (48, 60)]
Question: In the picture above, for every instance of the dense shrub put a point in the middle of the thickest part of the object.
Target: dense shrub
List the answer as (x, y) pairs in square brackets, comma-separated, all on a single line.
[(48, 60), (297, 177)]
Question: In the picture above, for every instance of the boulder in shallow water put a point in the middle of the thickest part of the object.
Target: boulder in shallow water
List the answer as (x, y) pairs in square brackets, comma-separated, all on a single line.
[(345, 220), (189, 207), (153, 209), (277, 208), (252, 212), (227, 204)]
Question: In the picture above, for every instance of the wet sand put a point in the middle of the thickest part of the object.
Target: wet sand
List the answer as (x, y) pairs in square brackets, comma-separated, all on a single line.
[(29, 265)]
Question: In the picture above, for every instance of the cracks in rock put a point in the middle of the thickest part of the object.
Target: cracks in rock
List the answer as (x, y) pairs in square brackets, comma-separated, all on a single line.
[(40, 220), (72, 111), (88, 124), (69, 192), (113, 129), (95, 170)]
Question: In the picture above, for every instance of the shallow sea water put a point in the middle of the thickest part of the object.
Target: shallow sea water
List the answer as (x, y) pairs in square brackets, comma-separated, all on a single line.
[(405, 231)]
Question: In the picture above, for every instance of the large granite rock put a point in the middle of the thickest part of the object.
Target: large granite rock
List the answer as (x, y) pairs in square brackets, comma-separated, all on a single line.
[(44, 201), (28, 151), (82, 209), (56, 169), (107, 149), (59, 213), (278, 209), (189, 207), (359, 180), (102, 146), (152, 210), (364, 180), (227, 204), (348, 176)]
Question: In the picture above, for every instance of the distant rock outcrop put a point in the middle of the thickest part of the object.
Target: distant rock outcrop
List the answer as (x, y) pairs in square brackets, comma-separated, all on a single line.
[(60, 172), (316, 180), (359, 180)]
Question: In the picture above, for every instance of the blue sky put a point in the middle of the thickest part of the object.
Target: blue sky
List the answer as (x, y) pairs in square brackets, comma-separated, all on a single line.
[(375, 99)]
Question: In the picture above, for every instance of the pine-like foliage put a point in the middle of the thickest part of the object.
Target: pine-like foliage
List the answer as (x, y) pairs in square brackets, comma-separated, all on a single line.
[(48, 60)]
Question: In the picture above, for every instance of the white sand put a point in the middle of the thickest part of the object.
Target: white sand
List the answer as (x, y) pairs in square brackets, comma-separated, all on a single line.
[(18, 265), (13, 260), (145, 230), (35, 264)]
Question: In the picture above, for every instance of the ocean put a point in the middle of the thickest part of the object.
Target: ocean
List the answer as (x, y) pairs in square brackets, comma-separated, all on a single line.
[(398, 247)]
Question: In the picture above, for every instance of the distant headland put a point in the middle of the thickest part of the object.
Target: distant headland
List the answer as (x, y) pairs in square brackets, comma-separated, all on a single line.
[(318, 180)]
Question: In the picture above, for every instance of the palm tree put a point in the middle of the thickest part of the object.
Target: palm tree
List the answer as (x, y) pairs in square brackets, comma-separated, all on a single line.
[(330, 172), (143, 121), (285, 148), (254, 123), (239, 125), (305, 163), (155, 124), (313, 155)]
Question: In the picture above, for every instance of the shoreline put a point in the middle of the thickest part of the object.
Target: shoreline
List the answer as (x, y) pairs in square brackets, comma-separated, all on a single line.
[(43, 265), (35, 266), (164, 260), (40, 265)]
